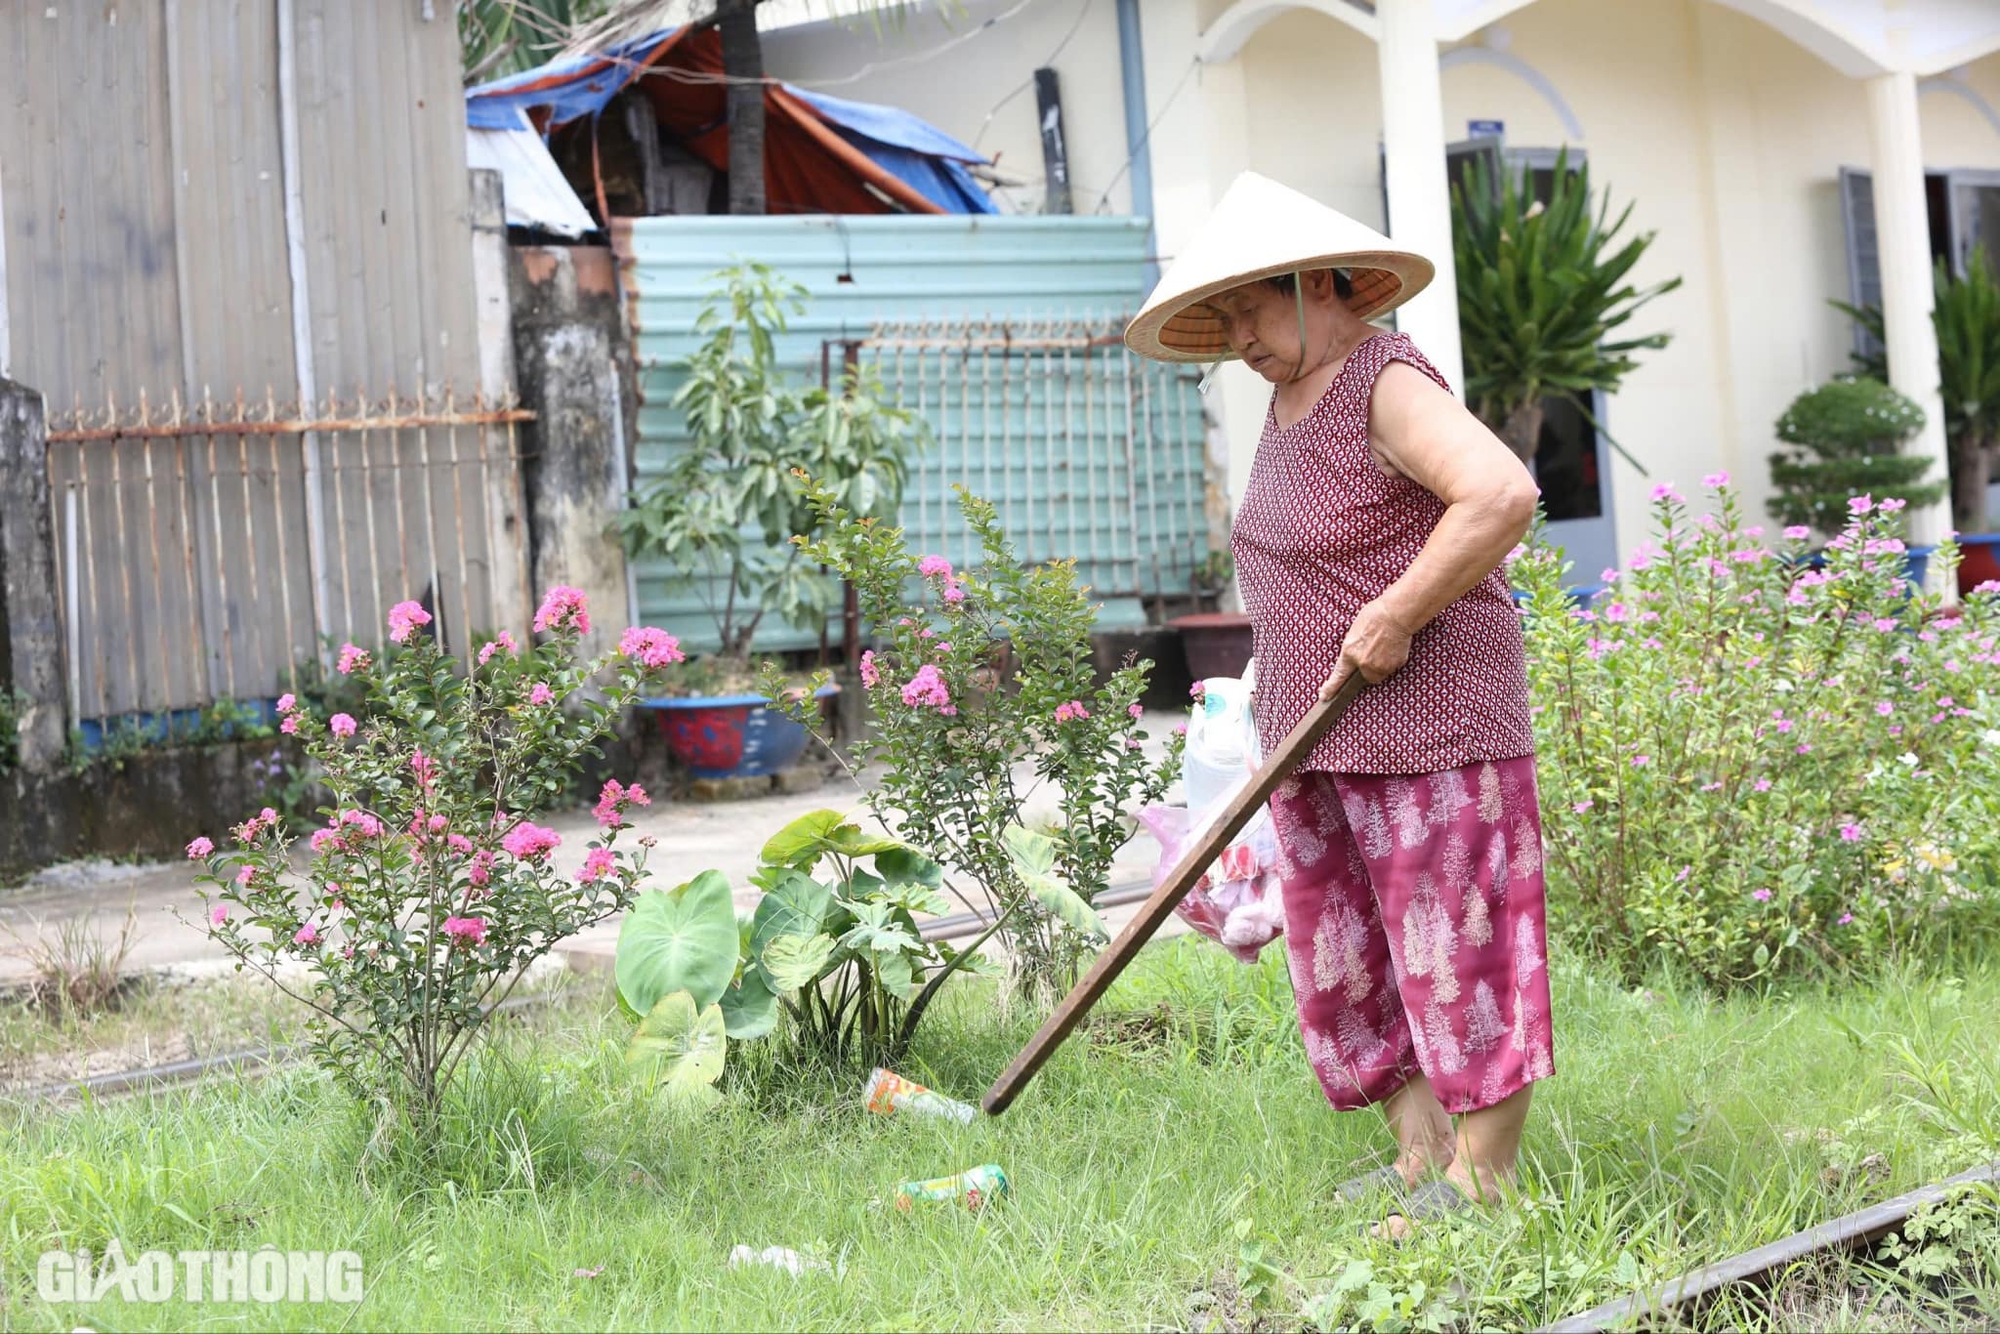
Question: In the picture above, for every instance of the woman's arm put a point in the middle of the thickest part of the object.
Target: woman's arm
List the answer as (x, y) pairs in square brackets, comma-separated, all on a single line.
[(1423, 433)]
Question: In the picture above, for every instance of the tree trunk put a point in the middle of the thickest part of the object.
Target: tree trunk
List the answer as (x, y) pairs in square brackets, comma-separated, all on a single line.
[(1522, 430), (743, 60), (1971, 470)]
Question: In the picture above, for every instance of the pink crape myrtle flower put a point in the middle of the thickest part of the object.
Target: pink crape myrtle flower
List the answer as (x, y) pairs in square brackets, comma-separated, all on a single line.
[(322, 839), (650, 647), (471, 930), (361, 822), (341, 724), (306, 935), (200, 848), (1136, 710), (501, 643), (404, 620), (459, 844), (1071, 711), (353, 658), (563, 608), (598, 864), (529, 842), (424, 767), (481, 870), (287, 702), (541, 694), (1197, 692), (871, 675), (290, 727), (614, 798), (927, 687), (218, 914), (245, 875), (954, 592), (934, 567)]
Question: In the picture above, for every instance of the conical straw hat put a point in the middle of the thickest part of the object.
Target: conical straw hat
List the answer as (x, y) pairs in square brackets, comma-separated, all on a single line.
[(1262, 229)]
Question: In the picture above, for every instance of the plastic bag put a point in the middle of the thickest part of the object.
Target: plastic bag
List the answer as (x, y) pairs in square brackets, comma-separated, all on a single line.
[(1239, 902)]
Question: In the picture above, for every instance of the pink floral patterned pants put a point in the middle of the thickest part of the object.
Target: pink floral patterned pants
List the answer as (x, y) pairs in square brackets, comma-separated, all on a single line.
[(1416, 931)]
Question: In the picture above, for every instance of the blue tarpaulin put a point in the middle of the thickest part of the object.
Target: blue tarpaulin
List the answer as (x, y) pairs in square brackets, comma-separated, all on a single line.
[(807, 171)]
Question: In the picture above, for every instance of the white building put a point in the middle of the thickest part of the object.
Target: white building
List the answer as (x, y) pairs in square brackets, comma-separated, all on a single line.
[(1729, 124)]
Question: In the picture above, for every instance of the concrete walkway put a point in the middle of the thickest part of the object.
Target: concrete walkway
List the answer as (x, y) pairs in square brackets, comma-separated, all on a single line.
[(692, 837)]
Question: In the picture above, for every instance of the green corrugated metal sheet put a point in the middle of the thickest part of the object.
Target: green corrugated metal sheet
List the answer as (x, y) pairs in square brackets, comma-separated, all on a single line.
[(1088, 453)]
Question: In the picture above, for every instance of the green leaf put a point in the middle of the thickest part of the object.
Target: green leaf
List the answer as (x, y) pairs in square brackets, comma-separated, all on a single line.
[(682, 940), (797, 961), (798, 906), (1028, 850), (749, 1008), (1033, 856), (876, 930), (893, 969), (688, 1043), (803, 842), (907, 866), (850, 841)]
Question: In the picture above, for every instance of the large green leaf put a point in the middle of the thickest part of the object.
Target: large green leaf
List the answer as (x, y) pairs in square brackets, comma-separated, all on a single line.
[(682, 940), (792, 962), (850, 841), (907, 866), (750, 1007), (803, 842), (688, 1043), (1033, 856), (799, 906), (876, 931)]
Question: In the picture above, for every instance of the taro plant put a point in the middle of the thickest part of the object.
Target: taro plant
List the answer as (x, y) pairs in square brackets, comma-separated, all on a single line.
[(723, 516), (832, 943), (1753, 765), (428, 892), (1844, 438), (983, 699), (1541, 288)]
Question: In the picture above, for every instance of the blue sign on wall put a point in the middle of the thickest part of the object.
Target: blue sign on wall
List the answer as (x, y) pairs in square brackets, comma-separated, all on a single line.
[(1481, 129)]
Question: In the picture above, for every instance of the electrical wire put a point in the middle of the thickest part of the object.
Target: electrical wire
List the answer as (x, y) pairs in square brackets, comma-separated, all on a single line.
[(1029, 82), (1147, 137)]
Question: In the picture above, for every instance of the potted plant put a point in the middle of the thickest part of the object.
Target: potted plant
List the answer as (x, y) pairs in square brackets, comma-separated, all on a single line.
[(1845, 437), (1215, 642), (1966, 316), (723, 517), (1539, 289)]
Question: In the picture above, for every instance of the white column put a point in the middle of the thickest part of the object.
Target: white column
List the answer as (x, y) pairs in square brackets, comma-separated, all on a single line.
[(1903, 238), (1419, 193)]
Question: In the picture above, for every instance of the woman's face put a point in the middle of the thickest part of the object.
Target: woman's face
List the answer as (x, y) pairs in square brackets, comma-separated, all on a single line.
[(1262, 323)]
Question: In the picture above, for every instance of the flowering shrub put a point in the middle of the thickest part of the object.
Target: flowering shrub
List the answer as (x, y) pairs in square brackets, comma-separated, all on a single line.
[(428, 891), (1751, 763), (957, 748)]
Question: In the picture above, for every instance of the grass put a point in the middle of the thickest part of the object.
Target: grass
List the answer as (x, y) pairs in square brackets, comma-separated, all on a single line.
[(1172, 1171)]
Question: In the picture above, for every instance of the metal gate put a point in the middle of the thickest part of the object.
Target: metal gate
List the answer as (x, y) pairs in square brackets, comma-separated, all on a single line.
[(1087, 451), (215, 550)]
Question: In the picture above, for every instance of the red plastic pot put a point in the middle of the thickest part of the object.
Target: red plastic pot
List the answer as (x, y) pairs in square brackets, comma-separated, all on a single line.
[(1978, 560)]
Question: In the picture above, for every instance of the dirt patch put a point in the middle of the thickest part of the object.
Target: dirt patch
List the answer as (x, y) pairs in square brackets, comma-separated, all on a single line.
[(64, 1067)]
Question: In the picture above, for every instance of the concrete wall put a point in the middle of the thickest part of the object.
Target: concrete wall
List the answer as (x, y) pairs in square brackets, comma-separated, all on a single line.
[(983, 74), (571, 357)]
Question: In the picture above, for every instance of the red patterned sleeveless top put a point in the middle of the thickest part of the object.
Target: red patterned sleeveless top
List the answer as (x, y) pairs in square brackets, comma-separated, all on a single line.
[(1321, 531)]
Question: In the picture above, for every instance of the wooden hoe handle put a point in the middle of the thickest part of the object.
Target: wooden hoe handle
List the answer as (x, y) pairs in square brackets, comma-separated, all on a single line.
[(1195, 860)]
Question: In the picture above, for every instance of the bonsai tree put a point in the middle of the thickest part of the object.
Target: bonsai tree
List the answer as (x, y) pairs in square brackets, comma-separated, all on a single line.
[(1966, 315), (723, 516), (1844, 437), (1540, 287)]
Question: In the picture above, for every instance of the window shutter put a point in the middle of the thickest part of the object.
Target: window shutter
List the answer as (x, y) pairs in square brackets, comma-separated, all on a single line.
[(1864, 261)]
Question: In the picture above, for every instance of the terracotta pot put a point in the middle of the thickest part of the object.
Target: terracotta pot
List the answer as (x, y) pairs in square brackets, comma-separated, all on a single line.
[(1217, 643)]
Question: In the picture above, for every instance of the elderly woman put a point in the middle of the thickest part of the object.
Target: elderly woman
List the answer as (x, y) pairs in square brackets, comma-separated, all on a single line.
[(1369, 540)]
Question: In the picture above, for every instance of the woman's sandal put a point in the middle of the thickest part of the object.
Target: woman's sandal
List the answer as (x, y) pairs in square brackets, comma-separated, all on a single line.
[(1433, 1199), (1385, 1177)]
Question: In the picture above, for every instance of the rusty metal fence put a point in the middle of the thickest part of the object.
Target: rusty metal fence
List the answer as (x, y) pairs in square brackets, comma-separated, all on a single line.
[(214, 550)]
